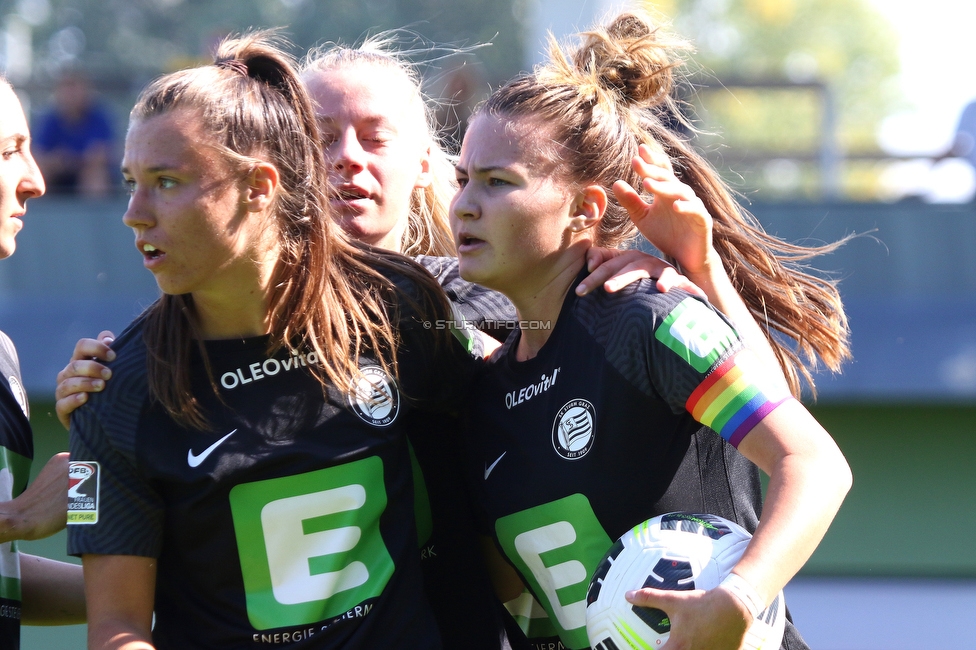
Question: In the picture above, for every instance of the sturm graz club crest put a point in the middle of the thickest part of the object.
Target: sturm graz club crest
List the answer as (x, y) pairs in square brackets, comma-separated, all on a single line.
[(573, 429), (376, 400)]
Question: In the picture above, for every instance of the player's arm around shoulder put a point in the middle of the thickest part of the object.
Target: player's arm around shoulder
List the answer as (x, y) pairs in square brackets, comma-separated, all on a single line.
[(84, 373)]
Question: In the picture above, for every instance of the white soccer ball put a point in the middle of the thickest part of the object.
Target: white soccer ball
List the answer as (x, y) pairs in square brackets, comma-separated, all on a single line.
[(678, 550)]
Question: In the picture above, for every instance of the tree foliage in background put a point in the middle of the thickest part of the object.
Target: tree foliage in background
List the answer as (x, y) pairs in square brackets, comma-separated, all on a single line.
[(844, 44), (841, 43), (124, 43)]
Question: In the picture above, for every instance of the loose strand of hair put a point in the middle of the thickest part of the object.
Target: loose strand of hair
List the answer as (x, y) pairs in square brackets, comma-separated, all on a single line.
[(771, 275)]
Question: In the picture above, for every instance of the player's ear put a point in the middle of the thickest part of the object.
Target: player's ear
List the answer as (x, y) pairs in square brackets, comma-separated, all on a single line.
[(589, 207), (425, 178), (262, 183)]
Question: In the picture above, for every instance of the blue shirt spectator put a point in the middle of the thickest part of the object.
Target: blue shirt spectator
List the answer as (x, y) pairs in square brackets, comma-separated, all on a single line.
[(73, 140)]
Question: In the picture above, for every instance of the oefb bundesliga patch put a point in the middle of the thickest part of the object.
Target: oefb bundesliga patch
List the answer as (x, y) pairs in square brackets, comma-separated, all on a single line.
[(83, 480)]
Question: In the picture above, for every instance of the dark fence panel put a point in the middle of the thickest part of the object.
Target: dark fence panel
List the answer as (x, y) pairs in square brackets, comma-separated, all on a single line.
[(909, 284), (75, 272)]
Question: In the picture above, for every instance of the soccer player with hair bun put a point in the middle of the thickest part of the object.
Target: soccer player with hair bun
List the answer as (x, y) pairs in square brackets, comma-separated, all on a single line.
[(390, 187), (611, 408)]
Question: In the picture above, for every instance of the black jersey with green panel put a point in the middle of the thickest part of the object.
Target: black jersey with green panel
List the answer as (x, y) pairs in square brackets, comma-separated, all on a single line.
[(456, 582), (16, 454), (592, 436), (292, 521), (455, 578)]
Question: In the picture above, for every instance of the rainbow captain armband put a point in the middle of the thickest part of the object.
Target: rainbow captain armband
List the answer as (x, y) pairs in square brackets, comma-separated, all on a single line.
[(731, 400)]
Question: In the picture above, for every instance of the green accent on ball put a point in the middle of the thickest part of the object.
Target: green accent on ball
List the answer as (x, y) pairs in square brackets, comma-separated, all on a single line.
[(631, 636)]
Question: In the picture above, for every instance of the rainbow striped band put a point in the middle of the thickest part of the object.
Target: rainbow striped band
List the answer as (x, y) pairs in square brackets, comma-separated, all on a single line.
[(730, 402)]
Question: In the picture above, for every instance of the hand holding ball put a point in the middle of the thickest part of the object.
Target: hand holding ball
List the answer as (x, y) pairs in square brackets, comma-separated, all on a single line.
[(679, 551)]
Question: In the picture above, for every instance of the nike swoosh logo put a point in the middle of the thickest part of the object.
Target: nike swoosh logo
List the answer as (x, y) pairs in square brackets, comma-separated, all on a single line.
[(194, 460), (492, 466)]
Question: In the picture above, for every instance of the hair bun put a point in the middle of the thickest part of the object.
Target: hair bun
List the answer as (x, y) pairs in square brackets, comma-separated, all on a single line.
[(632, 58), (258, 55)]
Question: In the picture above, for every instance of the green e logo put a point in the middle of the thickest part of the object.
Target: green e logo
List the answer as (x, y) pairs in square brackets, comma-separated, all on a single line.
[(557, 547), (696, 334), (310, 545)]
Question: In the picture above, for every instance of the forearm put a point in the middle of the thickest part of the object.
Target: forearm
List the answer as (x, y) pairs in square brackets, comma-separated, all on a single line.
[(23, 519), (18, 519), (42, 509), (119, 591), (806, 488), (53, 592), (11, 522)]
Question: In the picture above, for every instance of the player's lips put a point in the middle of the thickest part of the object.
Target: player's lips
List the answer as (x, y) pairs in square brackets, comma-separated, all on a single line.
[(467, 243), (151, 256), (349, 194)]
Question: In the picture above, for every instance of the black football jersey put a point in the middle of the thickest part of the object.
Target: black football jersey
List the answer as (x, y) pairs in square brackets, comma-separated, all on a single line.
[(292, 521), (605, 428)]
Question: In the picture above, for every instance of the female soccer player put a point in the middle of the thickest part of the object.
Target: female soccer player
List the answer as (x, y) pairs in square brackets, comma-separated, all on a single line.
[(392, 182), (246, 476), (391, 189), (618, 407), (33, 590), (391, 186)]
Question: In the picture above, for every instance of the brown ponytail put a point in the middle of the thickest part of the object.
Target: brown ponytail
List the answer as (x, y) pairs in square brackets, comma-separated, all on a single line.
[(597, 103)]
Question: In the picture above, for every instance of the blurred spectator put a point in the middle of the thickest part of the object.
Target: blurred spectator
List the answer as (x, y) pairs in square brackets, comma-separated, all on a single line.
[(73, 140), (964, 141)]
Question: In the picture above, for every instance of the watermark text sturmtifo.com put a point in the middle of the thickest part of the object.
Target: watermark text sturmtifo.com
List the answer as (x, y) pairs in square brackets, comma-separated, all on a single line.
[(489, 324)]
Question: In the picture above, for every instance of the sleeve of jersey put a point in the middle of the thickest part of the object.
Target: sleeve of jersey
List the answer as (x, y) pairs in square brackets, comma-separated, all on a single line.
[(473, 303), (120, 513), (724, 385)]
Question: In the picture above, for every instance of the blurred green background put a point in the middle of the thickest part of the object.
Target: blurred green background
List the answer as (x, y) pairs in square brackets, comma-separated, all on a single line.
[(788, 94)]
